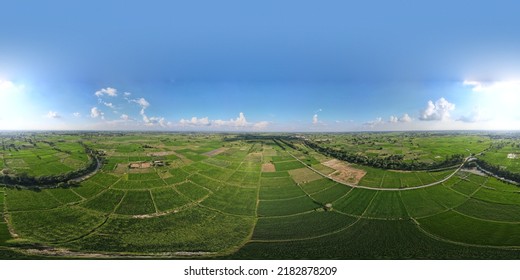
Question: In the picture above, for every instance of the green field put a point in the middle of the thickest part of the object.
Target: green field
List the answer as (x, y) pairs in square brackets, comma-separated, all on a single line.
[(210, 197)]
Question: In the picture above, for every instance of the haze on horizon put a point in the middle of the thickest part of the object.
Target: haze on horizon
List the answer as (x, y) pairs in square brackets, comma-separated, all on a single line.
[(260, 66)]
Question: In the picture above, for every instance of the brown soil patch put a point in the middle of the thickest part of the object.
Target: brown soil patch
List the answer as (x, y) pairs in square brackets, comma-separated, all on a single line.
[(216, 152), (345, 172), (268, 167)]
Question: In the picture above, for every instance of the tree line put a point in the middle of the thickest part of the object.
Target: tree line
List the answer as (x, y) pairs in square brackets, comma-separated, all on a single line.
[(390, 162), (500, 172)]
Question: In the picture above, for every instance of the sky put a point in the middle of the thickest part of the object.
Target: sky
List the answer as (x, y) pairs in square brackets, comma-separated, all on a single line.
[(292, 66)]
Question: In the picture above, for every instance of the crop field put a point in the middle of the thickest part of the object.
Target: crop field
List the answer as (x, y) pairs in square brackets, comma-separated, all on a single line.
[(173, 195)]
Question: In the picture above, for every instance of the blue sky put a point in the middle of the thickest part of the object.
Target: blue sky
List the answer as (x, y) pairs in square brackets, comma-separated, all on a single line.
[(260, 65)]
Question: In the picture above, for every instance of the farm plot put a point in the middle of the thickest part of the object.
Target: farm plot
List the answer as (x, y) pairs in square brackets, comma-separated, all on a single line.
[(445, 196), (233, 200), (168, 198), (279, 188), (356, 202), (287, 165), (497, 196), (456, 227), (318, 185), (501, 186), (64, 196), (286, 206), (192, 191), (419, 203), (143, 176), (23, 200), (56, 225), (387, 205), (193, 230), (105, 202), (304, 175), (88, 189), (465, 187), (274, 174), (345, 172), (178, 175), (331, 194), (136, 203), (138, 185), (490, 211), (307, 225)]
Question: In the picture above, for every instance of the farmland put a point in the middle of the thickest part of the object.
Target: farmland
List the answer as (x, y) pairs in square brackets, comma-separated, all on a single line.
[(173, 195)]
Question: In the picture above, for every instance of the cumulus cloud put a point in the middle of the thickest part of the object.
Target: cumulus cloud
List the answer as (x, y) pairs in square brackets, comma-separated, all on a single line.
[(438, 111), (127, 94), (106, 91), (195, 121), (95, 113), (76, 114), (142, 102), (239, 122), (377, 121), (124, 117), (405, 118), (393, 119), (53, 115), (109, 104)]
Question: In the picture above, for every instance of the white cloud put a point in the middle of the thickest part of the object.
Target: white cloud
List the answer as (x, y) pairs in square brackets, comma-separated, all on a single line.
[(127, 94), (261, 125), (405, 118), (377, 121), (142, 102), (95, 112), (106, 91), (238, 122), (438, 111), (109, 104), (315, 119), (393, 119), (124, 117), (53, 115), (195, 121), (76, 114)]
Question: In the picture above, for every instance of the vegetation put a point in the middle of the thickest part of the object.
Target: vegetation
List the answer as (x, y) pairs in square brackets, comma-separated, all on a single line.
[(173, 195)]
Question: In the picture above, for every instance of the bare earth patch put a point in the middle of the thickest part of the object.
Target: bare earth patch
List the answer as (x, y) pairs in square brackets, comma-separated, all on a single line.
[(162, 154), (345, 172), (304, 175), (268, 167), (216, 152)]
